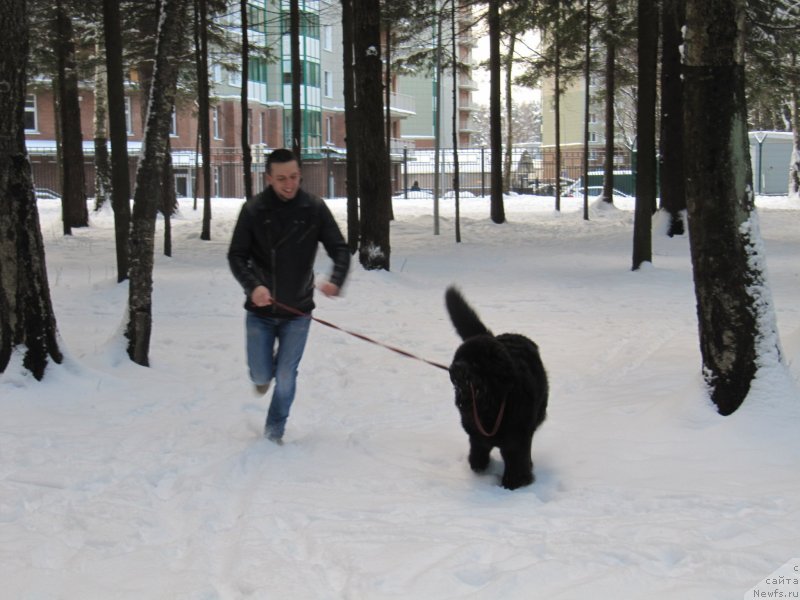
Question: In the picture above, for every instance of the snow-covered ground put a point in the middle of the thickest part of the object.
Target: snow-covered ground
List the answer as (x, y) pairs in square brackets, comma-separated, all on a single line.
[(123, 482)]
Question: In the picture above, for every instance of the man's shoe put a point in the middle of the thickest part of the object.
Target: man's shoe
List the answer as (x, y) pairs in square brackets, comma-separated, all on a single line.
[(261, 388), (273, 437)]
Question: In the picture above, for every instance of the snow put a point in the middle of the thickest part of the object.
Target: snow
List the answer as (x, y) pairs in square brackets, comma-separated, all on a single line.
[(119, 481)]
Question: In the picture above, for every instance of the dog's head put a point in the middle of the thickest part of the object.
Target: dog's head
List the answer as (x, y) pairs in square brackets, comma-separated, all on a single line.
[(481, 368)]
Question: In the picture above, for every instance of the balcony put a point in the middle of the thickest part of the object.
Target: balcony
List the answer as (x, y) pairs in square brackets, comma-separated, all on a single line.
[(467, 83), (397, 145), (468, 106), (402, 104)]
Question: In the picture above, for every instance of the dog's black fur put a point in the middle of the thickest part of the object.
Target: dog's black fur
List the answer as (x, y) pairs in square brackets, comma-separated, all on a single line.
[(489, 370)]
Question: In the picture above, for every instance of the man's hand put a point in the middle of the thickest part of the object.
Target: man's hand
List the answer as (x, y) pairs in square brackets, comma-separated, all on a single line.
[(261, 296), (329, 289)]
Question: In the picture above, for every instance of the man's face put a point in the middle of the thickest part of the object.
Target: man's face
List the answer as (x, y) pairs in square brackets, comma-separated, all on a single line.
[(285, 179)]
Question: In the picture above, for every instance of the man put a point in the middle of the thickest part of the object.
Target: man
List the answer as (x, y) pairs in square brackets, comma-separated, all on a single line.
[(272, 255)]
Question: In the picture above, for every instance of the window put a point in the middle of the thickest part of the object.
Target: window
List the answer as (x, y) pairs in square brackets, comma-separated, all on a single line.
[(218, 181), (327, 38), (173, 124), (309, 25), (329, 130), (261, 128), (215, 122), (128, 116), (31, 123), (310, 75), (328, 84), (257, 70), (235, 78), (216, 73), (256, 19)]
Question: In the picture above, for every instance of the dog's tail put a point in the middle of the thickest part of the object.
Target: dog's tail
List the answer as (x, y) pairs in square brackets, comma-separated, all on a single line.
[(465, 320)]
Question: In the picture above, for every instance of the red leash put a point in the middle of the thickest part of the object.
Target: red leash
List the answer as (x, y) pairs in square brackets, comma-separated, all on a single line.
[(360, 336), (299, 313), (477, 418)]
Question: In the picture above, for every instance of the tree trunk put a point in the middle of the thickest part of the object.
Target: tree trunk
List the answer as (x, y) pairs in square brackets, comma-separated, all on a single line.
[(60, 154), (611, 86), (26, 311), (557, 102), (437, 125), (672, 179), (148, 179), (374, 184), (509, 114), (498, 213), (456, 167), (388, 105), (73, 185), (247, 156), (351, 124), (587, 78), (102, 169), (297, 78), (387, 86), (645, 133), (169, 199), (794, 169), (735, 313), (120, 169), (203, 110)]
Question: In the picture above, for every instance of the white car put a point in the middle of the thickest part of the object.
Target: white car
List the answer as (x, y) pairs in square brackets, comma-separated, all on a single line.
[(45, 194), (596, 190)]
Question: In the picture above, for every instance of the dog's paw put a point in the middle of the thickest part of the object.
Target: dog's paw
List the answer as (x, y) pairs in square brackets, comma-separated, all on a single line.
[(478, 459), (517, 480)]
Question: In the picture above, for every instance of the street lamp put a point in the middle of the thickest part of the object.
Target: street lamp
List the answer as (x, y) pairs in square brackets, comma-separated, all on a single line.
[(760, 137)]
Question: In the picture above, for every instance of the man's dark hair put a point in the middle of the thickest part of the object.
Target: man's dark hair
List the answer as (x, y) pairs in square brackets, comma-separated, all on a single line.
[(281, 155)]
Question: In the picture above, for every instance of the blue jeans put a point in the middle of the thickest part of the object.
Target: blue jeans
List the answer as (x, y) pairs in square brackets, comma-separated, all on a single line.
[(266, 363)]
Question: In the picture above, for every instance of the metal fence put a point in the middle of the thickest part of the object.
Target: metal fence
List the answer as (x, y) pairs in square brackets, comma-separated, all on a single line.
[(532, 171)]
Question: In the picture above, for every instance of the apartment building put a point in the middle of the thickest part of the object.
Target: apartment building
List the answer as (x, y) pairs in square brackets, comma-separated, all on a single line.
[(419, 129), (269, 106), (572, 118)]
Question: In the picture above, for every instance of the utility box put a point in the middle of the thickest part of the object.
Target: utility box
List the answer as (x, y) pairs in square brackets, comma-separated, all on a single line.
[(770, 157)]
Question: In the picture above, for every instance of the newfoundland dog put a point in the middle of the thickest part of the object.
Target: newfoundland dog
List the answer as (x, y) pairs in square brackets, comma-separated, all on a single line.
[(501, 392)]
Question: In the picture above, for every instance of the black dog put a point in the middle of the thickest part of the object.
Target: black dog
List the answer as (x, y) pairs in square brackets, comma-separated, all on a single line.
[(501, 392)]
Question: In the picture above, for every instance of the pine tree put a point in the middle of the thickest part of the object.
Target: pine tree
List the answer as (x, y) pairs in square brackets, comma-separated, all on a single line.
[(373, 177), (734, 310), (172, 15), (26, 312)]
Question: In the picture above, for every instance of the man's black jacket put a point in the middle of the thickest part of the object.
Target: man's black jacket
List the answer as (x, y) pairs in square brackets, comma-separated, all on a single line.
[(275, 243)]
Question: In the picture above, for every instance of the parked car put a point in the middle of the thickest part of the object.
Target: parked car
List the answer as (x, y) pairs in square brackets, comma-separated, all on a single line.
[(539, 188), (45, 194), (624, 181), (595, 190)]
